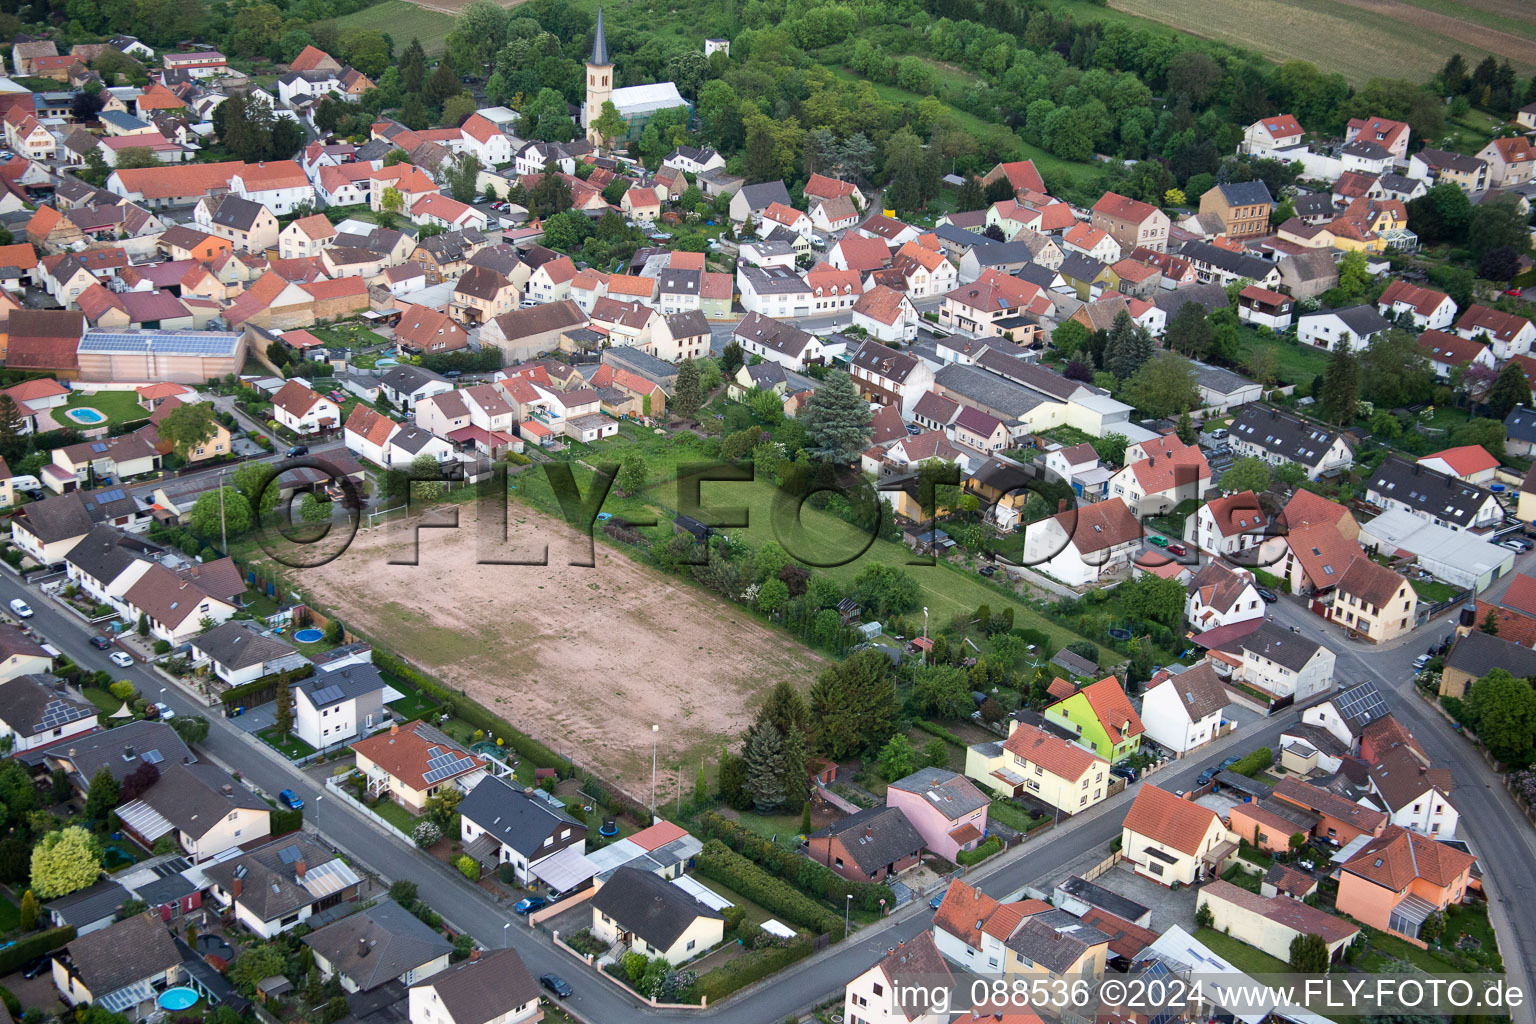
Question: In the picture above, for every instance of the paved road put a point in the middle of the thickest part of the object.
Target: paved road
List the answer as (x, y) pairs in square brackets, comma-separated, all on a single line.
[(1504, 840)]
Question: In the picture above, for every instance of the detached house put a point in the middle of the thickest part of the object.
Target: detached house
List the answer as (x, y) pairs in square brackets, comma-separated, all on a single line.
[(888, 377), (410, 765), (175, 607), (1081, 545), (1219, 596), (654, 918), (249, 226), (1507, 335), (280, 885), (1400, 878), (1169, 839), (970, 928), (502, 823), (947, 810), (1437, 497), (1040, 765), (491, 988), (380, 944), (870, 846), (1229, 525), (1352, 328), (37, 711), (1278, 437), (304, 411), (1182, 711), (1374, 602), (916, 966), (121, 968), (1427, 307), (1131, 223), (1170, 473)]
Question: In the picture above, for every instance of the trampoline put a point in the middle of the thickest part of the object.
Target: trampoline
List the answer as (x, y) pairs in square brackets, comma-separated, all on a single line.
[(309, 636)]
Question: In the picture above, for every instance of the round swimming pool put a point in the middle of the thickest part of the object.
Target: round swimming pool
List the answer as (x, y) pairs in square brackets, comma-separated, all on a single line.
[(309, 636), (386, 361), (85, 414), (178, 998)]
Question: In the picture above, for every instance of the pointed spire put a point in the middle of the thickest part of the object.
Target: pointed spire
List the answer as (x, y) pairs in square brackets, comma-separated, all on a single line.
[(599, 44)]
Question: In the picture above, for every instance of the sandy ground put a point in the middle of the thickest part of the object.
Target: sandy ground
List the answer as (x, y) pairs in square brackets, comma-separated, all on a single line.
[(1504, 44), (584, 659)]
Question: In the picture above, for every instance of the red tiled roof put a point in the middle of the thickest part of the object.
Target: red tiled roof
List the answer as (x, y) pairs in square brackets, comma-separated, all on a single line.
[(1169, 819), (1521, 594), (403, 754), (1058, 756), (1395, 858)]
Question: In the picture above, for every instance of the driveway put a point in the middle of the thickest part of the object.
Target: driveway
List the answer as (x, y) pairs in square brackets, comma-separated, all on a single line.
[(1168, 907)]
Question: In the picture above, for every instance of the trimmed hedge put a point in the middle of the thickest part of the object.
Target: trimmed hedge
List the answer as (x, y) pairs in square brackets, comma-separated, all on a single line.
[(816, 880), (737, 974), (981, 853), (1255, 762), (24, 951), (259, 691), (477, 716), (731, 869), (287, 820), (942, 733)]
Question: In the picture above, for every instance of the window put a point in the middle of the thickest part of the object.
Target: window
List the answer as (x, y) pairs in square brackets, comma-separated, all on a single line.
[(878, 989)]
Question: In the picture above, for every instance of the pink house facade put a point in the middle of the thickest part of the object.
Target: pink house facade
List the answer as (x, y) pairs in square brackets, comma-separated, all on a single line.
[(947, 810)]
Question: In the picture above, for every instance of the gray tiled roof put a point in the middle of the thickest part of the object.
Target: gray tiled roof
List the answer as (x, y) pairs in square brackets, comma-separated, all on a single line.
[(120, 954), (890, 837), (650, 906), (236, 645), (478, 990), (378, 944), (1245, 193), (122, 749), (517, 820), (988, 389), (1439, 495), (1478, 653), (90, 904)]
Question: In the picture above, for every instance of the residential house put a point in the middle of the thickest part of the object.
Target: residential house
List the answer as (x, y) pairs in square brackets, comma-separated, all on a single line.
[(946, 809), (1102, 717), (20, 655), (279, 185), (205, 810), (338, 704), (1374, 602), (1182, 711), (886, 314), (1055, 947), (1228, 525), (175, 606), (404, 386), (903, 986), (1169, 839), (1218, 264), (1242, 207), (491, 987), (1437, 497), (379, 944), (1469, 463), (888, 377), (1507, 335), (1469, 173), (249, 226), (1390, 135), (423, 331), (1041, 766), (1265, 308), (1221, 596), (1131, 223), (303, 410), (773, 291), (482, 294), (121, 968), (238, 654), (970, 927), (48, 530), (1474, 654), (676, 337), (653, 917), (1087, 240), (1425, 306), (411, 765), (1399, 879), (749, 202), (503, 823), (37, 711), (276, 887), (1170, 473), (525, 333), (988, 306), (869, 846), (1080, 546), (1279, 437), (1352, 327), (1511, 162)]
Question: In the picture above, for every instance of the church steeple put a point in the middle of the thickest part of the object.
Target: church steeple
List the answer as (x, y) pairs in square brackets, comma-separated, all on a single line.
[(599, 44)]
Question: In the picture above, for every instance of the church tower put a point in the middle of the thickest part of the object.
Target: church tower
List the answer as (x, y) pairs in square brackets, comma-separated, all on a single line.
[(599, 81)]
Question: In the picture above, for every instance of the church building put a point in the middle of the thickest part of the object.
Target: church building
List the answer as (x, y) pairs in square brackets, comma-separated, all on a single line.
[(637, 104)]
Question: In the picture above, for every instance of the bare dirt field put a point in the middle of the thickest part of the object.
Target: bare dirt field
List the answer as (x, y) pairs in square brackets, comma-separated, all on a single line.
[(583, 659)]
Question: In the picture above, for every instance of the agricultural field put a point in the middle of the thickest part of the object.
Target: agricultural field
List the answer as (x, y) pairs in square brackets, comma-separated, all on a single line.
[(1361, 39), (582, 659), (430, 23)]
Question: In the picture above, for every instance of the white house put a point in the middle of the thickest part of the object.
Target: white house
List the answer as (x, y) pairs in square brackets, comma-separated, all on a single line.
[(1228, 525), (487, 141), (279, 185), (1354, 327), (34, 713), (1507, 334), (491, 987), (904, 986), (1080, 545), (1427, 307), (886, 314), (239, 654), (1182, 711), (1219, 596), (303, 410), (773, 291), (339, 704)]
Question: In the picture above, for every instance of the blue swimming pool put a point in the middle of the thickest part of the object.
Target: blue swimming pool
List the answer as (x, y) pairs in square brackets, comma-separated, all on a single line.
[(178, 998), (309, 636), (85, 414)]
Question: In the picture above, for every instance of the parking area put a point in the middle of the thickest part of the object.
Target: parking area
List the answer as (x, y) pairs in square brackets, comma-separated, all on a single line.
[(1168, 907)]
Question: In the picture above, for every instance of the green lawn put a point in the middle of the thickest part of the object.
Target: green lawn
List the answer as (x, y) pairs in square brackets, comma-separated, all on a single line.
[(1434, 591), (10, 915), (116, 406), (816, 538), (350, 336), (1241, 955), (290, 747), (396, 815), (403, 21), (102, 699), (1296, 363), (413, 704)]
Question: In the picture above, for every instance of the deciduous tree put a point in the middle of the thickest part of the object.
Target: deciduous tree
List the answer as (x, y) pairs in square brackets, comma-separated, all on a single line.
[(64, 862)]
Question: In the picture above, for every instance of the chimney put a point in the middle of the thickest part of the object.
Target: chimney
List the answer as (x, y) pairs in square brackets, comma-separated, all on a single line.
[(298, 869), (236, 887), (394, 728), (869, 831), (474, 955), (362, 947), (227, 790)]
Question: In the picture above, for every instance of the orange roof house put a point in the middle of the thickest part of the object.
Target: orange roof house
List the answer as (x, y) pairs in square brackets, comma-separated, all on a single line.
[(1170, 839), (1041, 765), (1400, 878), (395, 763), (1102, 716)]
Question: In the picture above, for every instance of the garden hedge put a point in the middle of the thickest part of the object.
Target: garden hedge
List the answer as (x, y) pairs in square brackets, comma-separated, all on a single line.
[(259, 691), (287, 820), (737, 974), (24, 951), (816, 880), (980, 853), (1255, 762), (731, 869)]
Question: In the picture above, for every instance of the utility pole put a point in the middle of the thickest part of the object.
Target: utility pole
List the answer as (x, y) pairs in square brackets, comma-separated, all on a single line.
[(223, 530), (654, 730)]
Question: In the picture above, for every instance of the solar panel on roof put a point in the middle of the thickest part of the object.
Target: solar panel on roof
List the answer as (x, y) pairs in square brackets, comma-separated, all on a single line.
[(192, 343), (58, 712), (289, 854), (1361, 703), (452, 768), (326, 694), (152, 757), (115, 494), (98, 447)]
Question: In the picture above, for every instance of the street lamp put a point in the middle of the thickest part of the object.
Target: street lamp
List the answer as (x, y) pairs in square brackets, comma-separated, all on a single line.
[(654, 730), (925, 622), (504, 934), (848, 906), (318, 798)]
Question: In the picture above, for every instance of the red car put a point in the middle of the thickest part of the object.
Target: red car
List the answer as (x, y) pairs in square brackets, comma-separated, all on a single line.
[(1515, 292)]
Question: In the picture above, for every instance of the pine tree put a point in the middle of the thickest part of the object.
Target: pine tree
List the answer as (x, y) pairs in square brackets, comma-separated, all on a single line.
[(837, 421), (1309, 954), (971, 196), (1186, 428), (282, 719), (102, 796), (28, 911), (764, 755), (1510, 389), (413, 67), (1119, 349), (1341, 387), (688, 393)]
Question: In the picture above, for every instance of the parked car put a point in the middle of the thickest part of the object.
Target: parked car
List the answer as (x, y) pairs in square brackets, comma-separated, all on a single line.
[(1268, 595), (1421, 661), (101, 643), (291, 800), (37, 968), (164, 711), (1125, 772), (122, 659), (1511, 545), (555, 984), (1157, 540), (530, 904), (1177, 549), (21, 608), (1205, 776), (987, 570), (1228, 763), (297, 450)]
